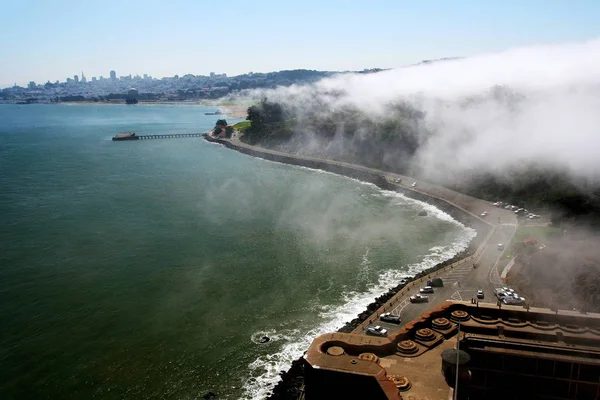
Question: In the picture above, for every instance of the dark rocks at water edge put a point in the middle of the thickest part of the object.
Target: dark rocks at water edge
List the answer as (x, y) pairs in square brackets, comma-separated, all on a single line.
[(292, 382), (422, 213), (210, 396), (384, 298)]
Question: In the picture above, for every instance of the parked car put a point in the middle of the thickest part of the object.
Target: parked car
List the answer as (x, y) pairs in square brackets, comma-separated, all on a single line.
[(398, 180), (388, 317), (480, 294), (501, 295), (419, 298), (376, 331), (435, 282), (414, 184), (513, 301), (500, 246), (484, 214), (426, 289)]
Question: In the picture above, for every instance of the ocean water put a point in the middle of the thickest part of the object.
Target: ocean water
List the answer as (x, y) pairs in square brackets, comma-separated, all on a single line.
[(150, 269)]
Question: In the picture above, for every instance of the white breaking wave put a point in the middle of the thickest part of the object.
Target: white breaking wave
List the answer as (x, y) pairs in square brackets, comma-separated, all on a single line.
[(265, 369)]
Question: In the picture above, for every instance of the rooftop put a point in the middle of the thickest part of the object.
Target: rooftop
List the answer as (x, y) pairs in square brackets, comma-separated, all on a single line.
[(509, 351)]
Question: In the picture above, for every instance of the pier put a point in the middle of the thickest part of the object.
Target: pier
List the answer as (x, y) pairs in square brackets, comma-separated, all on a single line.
[(170, 136), (133, 136)]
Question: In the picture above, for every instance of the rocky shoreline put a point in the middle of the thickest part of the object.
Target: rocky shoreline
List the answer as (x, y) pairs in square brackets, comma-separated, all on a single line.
[(292, 381)]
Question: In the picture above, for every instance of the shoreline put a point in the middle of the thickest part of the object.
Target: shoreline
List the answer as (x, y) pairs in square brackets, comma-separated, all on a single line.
[(293, 378)]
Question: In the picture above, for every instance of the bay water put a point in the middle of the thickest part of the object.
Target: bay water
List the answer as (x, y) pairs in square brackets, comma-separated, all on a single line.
[(151, 269)]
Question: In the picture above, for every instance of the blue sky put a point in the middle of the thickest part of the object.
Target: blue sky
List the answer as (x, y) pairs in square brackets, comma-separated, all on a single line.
[(50, 40)]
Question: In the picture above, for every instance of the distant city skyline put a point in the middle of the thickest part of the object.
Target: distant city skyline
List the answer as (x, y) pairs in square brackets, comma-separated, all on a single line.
[(112, 77), (49, 41)]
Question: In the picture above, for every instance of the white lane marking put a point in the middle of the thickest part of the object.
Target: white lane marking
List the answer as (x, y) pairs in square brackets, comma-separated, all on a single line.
[(400, 306), (456, 296)]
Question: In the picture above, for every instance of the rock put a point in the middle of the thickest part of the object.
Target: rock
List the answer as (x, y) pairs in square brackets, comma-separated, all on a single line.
[(210, 396), (422, 213), (265, 339)]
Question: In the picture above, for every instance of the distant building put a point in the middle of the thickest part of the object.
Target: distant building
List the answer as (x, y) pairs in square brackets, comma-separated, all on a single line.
[(145, 76), (31, 85), (93, 79), (212, 74), (83, 78), (69, 80), (132, 96), (462, 351), (76, 78), (113, 75)]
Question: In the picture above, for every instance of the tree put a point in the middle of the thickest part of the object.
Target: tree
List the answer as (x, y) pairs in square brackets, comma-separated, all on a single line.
[(221, 122)]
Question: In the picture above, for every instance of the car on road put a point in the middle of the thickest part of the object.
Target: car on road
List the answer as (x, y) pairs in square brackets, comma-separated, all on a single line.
[(398, 180), (500, 246), (376, 331), (388, 317), (414, 184), (419, 298), (426, 289), (484, 214), (513, 301), (480, 294), (435, 282)]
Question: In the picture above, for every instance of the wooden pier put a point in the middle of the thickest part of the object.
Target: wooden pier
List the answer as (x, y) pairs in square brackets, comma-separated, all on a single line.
[(133, 136), (170, 136)]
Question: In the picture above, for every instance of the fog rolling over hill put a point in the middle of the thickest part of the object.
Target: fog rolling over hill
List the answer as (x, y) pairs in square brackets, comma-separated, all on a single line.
[(488, 116)]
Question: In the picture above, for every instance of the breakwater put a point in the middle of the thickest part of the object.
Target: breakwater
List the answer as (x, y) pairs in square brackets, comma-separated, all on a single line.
[(292, 381)]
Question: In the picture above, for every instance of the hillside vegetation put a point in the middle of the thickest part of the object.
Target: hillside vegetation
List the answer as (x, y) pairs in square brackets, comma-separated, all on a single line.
[(391, 143)]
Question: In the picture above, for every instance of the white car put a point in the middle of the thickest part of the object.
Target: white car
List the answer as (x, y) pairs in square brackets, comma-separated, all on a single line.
[(480, 294), (376, 331), (513, 301), (419, 298), (414, 184), (388, 317), (500, 246), (426, 289), (484, 214)]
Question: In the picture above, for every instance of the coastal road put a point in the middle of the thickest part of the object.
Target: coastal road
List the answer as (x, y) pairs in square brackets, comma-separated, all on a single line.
[(462, 281)]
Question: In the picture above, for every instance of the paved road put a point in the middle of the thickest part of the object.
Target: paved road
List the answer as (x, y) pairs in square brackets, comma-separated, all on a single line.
[(462, 281)]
